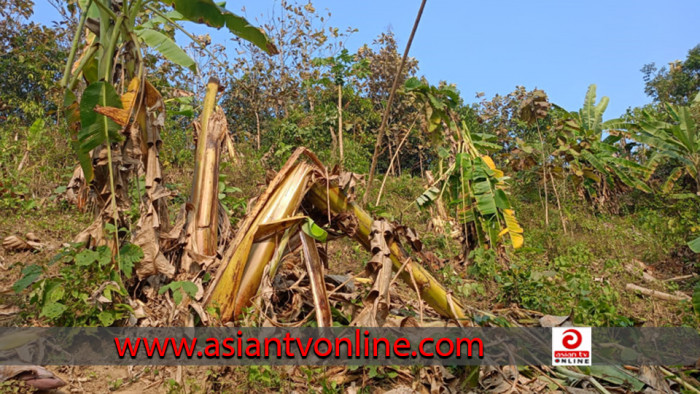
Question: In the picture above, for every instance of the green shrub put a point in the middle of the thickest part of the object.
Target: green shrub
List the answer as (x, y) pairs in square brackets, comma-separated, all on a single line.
[(87, 290)]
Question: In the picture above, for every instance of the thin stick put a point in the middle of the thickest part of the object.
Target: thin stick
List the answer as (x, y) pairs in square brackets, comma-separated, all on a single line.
[(396, 275), (678, 380), (420, 300), (385, 118), (679, 278), (391, 163), (556, 194)]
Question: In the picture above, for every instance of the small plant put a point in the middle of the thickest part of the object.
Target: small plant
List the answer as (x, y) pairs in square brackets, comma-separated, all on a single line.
[(231, 199), (376, 371), (179, 289), (87, 289), (16, 196), (263, 374), (566, 286), (174, 387), (115, 384), (15, 386), (483, 263)]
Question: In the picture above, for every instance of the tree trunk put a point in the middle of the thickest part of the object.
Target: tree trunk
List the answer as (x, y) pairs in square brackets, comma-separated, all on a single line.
[(544, 177), (390, 170), (420, 160)]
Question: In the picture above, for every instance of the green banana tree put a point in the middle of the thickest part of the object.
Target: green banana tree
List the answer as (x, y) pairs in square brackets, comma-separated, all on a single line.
[(114, 114), (115, 40), (589, 150), (470, 183), (677, 140)]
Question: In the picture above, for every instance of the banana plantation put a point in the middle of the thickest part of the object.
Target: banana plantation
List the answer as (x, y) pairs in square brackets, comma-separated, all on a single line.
[(151, 176)]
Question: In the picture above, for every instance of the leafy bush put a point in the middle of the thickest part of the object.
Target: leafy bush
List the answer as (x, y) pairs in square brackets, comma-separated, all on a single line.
[(86, 291)]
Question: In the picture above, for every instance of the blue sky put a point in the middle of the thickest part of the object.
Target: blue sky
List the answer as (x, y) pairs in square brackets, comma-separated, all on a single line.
[(492, 46)]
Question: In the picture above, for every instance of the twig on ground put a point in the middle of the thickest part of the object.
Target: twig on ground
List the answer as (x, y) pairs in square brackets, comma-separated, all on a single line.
[(656, 294)]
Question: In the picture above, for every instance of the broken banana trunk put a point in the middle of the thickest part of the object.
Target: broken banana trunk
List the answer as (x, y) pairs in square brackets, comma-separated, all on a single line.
[(238, 277), (431, 291), (240, 274), (203, 224)]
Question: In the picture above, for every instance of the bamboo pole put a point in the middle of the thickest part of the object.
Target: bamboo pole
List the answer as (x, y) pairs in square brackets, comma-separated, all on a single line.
[(387, 109)]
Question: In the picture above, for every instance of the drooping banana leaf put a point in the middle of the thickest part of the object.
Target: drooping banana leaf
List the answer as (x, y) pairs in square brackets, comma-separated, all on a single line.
[(166, 47), (211, 14)]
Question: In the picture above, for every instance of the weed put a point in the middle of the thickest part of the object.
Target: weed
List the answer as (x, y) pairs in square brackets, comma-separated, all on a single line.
[(231, 198), (86, 291), (264, 375), (483, 264), (115, 384), (179, 289)]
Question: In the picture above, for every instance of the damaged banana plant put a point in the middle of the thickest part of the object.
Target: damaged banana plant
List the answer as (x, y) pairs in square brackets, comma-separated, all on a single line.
[(206, 221), (299, 187), (114, 115), (471, 184)]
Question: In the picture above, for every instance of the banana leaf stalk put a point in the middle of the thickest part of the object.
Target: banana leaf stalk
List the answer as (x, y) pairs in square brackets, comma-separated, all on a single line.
[(316, 276), (431, 290), (238, 277)]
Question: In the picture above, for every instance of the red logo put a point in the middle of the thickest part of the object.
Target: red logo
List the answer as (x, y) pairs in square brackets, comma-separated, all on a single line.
[(571, 346), (571, 339)]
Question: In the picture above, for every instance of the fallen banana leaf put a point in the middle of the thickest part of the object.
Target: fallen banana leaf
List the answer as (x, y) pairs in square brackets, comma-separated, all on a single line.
[(14, 243), (615, 375)]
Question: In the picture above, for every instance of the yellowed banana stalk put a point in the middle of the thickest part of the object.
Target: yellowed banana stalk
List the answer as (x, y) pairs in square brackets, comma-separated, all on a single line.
[(430, 289), (238, 278), (205, 190)]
